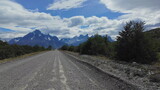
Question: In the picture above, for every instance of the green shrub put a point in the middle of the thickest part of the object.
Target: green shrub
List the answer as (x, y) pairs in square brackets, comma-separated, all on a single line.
[(64, 47), (133, 46), (96, 45), (8, 51)]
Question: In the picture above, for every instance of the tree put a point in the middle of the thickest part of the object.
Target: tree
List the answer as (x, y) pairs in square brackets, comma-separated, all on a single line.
[(8, 51), (96, 45), (71, 48), (49, 47), (64, 47), (132, 44)]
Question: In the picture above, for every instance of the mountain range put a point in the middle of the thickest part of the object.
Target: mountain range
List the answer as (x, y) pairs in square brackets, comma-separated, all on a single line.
[(75, 41), (38, 38)]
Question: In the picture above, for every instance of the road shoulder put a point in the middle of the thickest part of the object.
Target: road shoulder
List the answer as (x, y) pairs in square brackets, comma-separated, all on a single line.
[(134, 74)]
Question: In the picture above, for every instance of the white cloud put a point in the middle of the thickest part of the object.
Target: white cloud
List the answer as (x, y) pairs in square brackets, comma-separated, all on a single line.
[(101, 25), (75, 21), (65, 4), (128, 6), (9, 35), (13, 14), (145, 10)]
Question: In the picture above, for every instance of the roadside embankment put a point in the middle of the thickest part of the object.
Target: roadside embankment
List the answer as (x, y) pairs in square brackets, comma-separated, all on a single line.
[(146, 77)]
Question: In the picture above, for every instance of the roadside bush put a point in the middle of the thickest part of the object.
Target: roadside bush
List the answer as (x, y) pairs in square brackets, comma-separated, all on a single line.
[(96, 45), (133, 46), (8, 51), (49, 47), (71, 48), (64, 47)]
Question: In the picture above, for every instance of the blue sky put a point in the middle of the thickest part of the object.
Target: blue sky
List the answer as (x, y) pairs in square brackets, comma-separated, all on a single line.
[(90, 8), (69, 18)]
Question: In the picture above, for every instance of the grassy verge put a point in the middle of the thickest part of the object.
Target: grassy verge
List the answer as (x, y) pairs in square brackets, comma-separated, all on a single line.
[(101, 57), (21, 57)]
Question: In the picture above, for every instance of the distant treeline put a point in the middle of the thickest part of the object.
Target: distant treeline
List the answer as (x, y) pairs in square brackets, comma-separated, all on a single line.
[(132, 45), (8, 51)]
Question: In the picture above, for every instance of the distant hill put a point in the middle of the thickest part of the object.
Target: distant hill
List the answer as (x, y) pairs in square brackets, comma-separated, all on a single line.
[(154, 33), (37, 38), (154, 36)]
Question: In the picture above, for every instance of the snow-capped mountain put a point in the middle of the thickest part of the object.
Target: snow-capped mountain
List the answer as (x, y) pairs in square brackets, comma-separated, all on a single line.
[(75, 41), (37, 38)]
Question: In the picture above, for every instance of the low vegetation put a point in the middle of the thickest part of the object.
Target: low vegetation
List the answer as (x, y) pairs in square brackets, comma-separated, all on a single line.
[(132, 45), (20, 57), (154, 36), (9, 51)]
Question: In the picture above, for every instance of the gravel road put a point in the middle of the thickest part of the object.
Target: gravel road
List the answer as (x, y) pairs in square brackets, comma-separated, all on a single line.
[(54, 70)]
